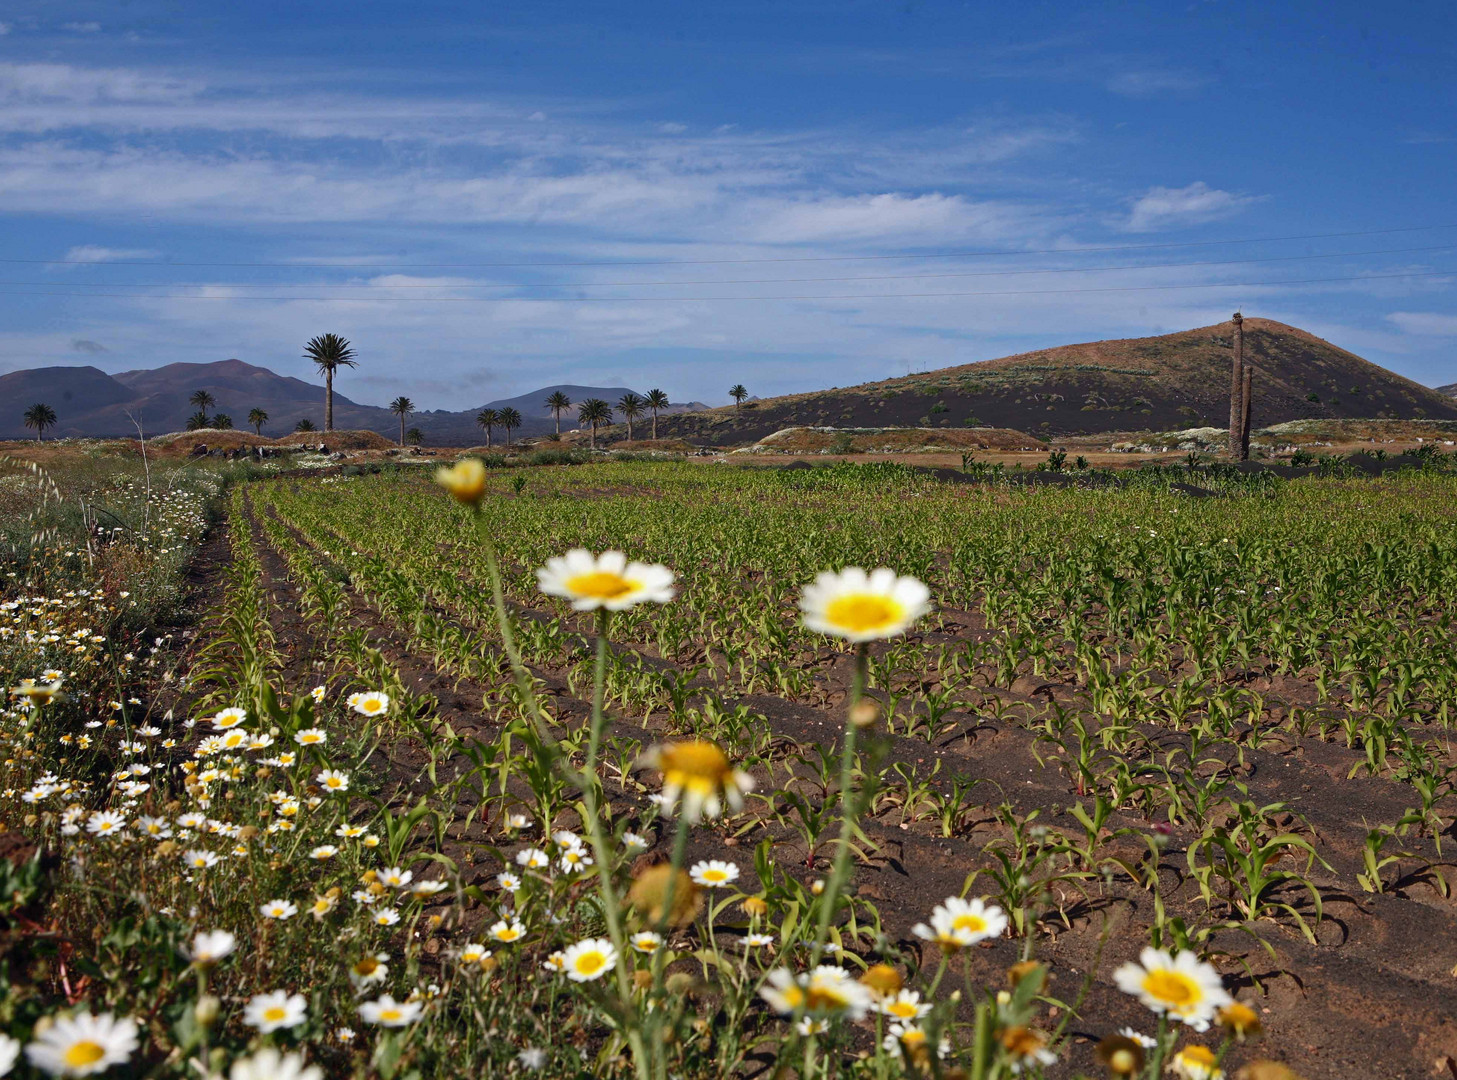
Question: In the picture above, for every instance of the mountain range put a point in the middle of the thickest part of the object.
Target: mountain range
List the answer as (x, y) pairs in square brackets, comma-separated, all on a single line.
[(1163, 383), (90, 403)]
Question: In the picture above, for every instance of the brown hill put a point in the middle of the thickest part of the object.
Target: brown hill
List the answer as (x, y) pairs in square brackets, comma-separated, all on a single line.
[(1450, 390), (1169, 382)]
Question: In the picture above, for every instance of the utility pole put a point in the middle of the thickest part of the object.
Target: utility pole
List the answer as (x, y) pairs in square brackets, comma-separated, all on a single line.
[(1237, 392), (1244, 427)]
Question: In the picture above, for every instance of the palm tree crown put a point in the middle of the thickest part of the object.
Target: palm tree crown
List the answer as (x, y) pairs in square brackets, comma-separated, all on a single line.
[(509, 419), (40, 416), (488, 418), (738, 393), (631, 406), (594, 411), (203, 400), (257, 417), (329, 352), (656, 400), (402, 407), (558, 403)]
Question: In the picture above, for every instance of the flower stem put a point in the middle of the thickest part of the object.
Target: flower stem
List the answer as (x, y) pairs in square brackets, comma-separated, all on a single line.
[(840, 869)]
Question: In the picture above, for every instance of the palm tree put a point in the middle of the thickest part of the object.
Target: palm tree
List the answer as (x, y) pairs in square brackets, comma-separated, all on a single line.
[(329, 352), (738, 393), (414, 436), (222, 421), (594, 411), (402, 407), (558, 403), (305, 425), (488, 418), (197, 420), (40, 416), (631, 406), (508, 418), (204, 401), (656, 400), (257, 417)]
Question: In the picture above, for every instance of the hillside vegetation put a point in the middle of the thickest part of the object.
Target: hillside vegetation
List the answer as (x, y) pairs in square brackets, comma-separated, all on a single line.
[(1172, 381)]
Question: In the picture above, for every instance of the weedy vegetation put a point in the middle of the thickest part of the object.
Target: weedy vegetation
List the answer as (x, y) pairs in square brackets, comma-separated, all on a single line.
[(626, 770)]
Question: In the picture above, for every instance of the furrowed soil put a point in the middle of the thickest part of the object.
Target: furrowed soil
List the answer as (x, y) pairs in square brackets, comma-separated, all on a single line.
[(1375, 992)]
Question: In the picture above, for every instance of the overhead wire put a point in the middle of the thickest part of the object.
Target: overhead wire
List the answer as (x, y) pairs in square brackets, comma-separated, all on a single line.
[(989, 253), (731, 281), (781, 297)]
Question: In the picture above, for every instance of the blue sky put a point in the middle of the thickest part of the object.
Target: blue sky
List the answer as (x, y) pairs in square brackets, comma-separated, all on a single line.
[(786, 194)]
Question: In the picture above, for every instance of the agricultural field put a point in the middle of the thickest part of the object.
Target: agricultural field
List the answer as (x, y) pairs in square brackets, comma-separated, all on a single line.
[(386, 775)]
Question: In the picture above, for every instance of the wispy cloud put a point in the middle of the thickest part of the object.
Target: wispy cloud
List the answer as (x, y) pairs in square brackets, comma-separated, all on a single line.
[(85, 345), (92, 253), (1165, 207), (1149, 83), (1425, 323)]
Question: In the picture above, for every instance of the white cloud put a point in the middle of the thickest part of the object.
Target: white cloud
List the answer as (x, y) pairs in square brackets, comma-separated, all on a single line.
[(4, 28), (65, 84), (1425, 323), (91, 253), (1151, 83), (887, 217), (1164, 207), (82, 27)]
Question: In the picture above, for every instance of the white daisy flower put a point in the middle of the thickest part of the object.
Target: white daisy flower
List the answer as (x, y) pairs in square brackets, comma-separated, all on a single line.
[(269, 1064), (276, 1010), (83, 1045), (589, 960), (387, 1012), (604, 581), (1181, 986), (714, 873), (278, 909), (958, 923), (860, 607)]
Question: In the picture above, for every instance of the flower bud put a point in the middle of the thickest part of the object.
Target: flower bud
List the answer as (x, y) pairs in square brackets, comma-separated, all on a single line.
[(205, 1012)]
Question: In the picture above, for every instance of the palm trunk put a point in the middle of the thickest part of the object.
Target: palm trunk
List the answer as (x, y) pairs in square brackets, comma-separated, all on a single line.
[(402, 429), (328, 401), (629, 429), (594, 435), (655, 425), (558, 413), (488, 438)]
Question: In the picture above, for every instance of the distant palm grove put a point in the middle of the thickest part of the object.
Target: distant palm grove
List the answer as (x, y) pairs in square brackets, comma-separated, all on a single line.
[(330, 353)]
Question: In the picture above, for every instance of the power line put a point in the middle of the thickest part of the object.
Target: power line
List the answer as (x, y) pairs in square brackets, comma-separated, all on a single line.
[(728, 281), (708, 299), (732, 262)]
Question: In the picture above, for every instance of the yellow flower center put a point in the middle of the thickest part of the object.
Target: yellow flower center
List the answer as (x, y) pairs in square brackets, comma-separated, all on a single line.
[(601, 586), (714, 875), (591, 963), (864, 612), (274, 1014), (84, 1052), (366, 967), (697, 765), (1172, 988), (390, 1014), (823, 996), (902, 1010), (1197, 1055), (974, 923)]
